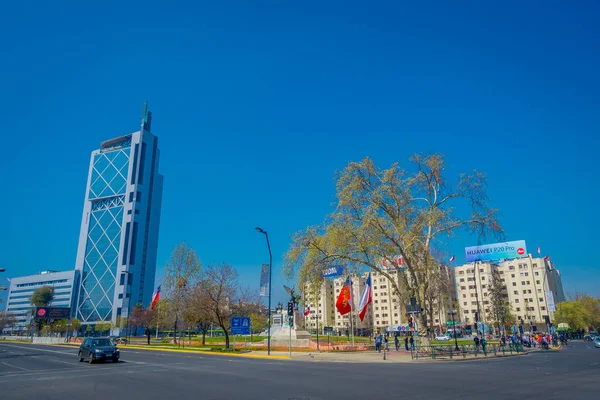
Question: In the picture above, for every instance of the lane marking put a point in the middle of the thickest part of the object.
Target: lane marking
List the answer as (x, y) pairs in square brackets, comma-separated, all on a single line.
[(49, 351), (15, 366)]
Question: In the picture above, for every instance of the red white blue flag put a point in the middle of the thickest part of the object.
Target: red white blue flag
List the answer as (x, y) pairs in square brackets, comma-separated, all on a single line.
[(365, 299), (307, 311), (155, 297)]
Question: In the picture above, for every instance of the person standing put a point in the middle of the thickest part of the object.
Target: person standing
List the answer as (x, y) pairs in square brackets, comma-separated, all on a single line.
[(396, 342), (406, 343), (412, 343), (378, 343)]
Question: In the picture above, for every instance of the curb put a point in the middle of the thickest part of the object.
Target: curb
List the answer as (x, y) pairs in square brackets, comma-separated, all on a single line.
[(247, 355)]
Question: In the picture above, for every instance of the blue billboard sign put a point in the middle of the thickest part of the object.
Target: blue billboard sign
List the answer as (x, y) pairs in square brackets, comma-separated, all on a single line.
[(240, 326), (333, 271), (496, 251)]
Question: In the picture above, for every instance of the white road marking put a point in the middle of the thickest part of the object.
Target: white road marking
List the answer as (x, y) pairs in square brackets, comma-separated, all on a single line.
[(14, 366), (49, 351)]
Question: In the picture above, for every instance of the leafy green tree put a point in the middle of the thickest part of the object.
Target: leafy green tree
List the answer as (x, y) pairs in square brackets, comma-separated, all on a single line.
[(583, 312), (75, 324), (42, 297), (103, 327), (381, 214), (7, 320)]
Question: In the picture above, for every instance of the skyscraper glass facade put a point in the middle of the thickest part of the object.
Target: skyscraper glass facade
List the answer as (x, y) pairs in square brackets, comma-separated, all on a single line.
[(119, 229)]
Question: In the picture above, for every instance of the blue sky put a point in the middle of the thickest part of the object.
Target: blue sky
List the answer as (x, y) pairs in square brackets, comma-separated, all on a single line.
[(257, 106)]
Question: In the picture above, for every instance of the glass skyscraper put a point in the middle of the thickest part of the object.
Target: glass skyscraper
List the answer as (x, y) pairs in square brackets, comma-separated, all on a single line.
[(118, 240)]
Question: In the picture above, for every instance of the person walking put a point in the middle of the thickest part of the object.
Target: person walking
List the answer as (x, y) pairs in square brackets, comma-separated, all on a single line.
[(412, 343), (406, 343), (378, 343), (396, 342), (484, 346)]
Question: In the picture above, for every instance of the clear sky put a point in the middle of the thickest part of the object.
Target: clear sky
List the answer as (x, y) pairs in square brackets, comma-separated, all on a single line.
[(257, 106)]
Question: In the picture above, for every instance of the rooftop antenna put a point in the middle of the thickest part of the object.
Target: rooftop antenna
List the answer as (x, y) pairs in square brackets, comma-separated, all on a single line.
[(146, 118)]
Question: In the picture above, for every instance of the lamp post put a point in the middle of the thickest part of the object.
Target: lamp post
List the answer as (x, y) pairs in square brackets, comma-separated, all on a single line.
[(269, 312), (453, 312), (2, 269)]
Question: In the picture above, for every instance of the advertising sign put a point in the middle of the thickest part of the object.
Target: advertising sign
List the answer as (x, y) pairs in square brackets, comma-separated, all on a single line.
[(496, 251), (333, 271), (240, 326), (264, 280), (52, 312), (550, 301)]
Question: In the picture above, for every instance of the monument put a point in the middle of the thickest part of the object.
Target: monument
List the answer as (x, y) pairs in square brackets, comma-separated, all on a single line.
[(294, 331)]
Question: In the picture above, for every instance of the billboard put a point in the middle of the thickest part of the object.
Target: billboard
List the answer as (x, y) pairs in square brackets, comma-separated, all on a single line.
[(52, 312), (550, 301), (333, 271), (264, 280), (496, 251)]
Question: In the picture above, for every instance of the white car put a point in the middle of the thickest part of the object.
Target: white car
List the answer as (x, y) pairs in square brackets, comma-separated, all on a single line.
[(442, 338)]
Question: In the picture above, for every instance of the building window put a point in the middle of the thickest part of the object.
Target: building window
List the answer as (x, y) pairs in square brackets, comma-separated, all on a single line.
[(483, 278), (138, 197), (464, 296), (515, 292), (512, 275), (514, 283), (512, 268), (541, 299), (462, 279), (516, 300), (465, 303), (466, 311), (524, 291), (537, 273), (529, 282), (534, 266), (543, 308), (463, 288), (131, 197), (538, 282), (518, 309)]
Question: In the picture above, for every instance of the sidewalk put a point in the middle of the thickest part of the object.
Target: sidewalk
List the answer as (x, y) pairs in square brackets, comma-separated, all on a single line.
[(353, 357)]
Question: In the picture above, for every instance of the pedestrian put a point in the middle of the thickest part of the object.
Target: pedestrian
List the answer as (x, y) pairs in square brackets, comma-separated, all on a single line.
[(378, 343), (412, 343), (386, 346), (406, 343), (484, 346), (396, 342)]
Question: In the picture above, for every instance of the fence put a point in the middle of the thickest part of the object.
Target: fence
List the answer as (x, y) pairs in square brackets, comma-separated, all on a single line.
[(449, 351)]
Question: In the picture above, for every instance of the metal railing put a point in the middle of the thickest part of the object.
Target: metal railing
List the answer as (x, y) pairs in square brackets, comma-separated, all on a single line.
[(464, 351)]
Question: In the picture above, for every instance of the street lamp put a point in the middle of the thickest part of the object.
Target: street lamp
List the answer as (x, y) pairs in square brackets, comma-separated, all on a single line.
[(453, 312), (2, 269), (269, 312)]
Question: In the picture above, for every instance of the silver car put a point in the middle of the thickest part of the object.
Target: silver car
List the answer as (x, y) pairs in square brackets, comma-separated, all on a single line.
[(597, 342)]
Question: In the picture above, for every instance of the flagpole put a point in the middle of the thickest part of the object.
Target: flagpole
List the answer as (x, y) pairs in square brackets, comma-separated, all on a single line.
[(157, 319)]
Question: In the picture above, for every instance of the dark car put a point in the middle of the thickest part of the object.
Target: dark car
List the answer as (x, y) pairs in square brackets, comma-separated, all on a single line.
[(98, 349)]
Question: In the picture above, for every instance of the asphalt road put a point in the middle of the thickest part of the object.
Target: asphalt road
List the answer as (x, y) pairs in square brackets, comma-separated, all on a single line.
[(53, 372)]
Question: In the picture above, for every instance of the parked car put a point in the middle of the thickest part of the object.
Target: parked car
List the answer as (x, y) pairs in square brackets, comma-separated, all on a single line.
[(443, 338), (98, 349), (597, 342)]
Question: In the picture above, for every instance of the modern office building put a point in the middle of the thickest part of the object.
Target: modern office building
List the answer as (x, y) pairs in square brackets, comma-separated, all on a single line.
[(118, 240), (64, 283)]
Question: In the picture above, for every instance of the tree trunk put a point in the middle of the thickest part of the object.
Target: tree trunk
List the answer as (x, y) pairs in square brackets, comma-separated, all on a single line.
[(203, 338), (175, 332), (226, 338), (148, 337)]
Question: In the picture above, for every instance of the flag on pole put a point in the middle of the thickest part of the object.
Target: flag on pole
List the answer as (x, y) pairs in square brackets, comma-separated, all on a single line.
[(365, 299), (452, 258), (307, 311), (547, 258), (155, 297), (539, 250), (344, 302)]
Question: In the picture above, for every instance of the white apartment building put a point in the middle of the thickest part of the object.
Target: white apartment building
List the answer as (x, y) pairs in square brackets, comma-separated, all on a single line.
[(342, 322), (387, 309), (21, 288), (529, 284), (322, 308)]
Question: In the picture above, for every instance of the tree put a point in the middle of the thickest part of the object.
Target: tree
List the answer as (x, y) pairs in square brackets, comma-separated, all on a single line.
[(199, 310), (581, 313), (75, 324), (258, 323), (103, 327), (42, 297), (221, 287), (7, 320), (143, 317), (181, 274), (392, 214), (500, 309)]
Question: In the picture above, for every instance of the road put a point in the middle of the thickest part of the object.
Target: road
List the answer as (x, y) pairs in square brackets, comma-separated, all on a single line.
[(52, 372)]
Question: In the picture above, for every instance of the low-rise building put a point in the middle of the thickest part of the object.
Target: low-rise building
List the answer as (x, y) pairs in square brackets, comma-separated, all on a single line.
[(21, 288)]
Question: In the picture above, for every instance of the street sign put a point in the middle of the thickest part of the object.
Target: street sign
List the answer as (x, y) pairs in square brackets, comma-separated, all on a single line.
[(328, 329), (240, 326)]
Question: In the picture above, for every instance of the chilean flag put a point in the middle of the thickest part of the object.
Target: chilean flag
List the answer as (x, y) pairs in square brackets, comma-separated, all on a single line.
[(155, 297), (365, 298), (344, 302), (307, 311), (452, 258)]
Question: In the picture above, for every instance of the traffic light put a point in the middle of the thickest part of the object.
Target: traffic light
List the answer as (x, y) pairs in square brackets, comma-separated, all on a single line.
[(290, 308), (476, 316), (410, 322), (291, 322)]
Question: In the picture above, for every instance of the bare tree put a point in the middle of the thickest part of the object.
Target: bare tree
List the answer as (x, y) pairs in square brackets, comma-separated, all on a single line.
[(383, 214), (7, 320), (224, 300), (181, 274)]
